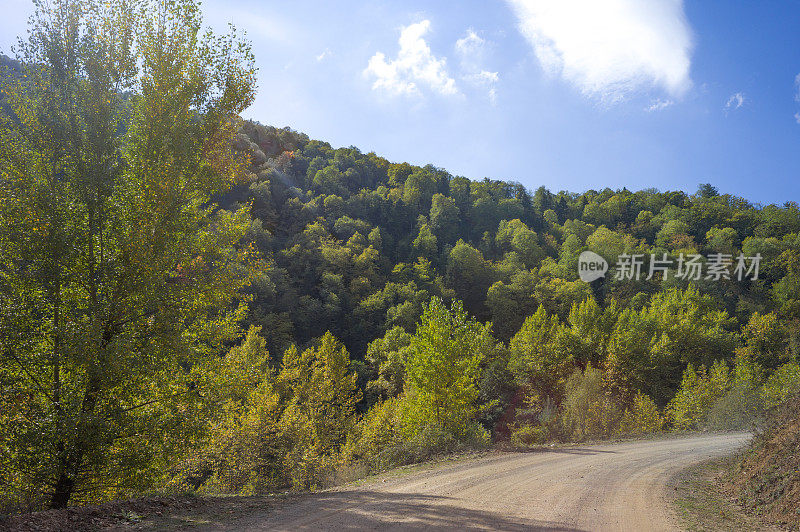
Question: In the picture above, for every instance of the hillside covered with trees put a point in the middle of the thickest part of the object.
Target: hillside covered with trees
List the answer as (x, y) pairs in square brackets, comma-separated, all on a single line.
[(358, 246), (193, 301)]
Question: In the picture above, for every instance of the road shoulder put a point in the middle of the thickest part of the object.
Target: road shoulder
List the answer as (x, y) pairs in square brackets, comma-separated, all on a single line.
[(700, 500)]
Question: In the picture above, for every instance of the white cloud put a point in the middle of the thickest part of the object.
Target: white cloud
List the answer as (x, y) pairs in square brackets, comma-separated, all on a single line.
[(659, 105), (471, 50), (797, 117), (325, 53), (485, 79), (414, 66), (471, 44), (735, 101), (612, 48)]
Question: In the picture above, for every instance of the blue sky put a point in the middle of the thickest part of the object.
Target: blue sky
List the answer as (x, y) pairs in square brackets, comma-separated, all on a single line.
[(570, 94)]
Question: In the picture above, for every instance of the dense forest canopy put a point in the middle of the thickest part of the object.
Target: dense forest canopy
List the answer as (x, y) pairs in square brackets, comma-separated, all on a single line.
[(359, 243)]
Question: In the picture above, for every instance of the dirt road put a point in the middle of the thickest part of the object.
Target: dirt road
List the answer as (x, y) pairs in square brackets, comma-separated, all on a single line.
[(595, 487)]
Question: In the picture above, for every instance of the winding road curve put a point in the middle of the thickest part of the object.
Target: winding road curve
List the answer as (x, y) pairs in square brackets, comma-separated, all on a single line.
[(620, 486)]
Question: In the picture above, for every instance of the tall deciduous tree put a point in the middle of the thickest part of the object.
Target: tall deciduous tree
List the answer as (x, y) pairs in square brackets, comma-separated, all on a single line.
[(443, 368), (540, 359), (118, 276)]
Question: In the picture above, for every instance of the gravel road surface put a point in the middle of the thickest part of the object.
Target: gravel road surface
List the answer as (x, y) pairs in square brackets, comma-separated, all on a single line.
[(618, 486)]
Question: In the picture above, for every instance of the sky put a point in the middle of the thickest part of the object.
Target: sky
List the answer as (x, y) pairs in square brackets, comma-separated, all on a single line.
[(569, 94)]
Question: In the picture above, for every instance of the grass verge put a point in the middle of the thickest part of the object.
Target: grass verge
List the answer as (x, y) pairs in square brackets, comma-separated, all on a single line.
[(703, 504)]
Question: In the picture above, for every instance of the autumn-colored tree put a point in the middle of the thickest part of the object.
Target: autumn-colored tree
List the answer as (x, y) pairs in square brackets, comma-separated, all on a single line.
[(781, 385), (642, 417), (766, 340), (699, 390), (120, 278), (589, 410), (321, 393), (273, 429), (243, 447)]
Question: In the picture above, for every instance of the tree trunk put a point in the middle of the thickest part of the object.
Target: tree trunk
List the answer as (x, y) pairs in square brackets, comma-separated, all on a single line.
[(63, 490), (71, 462)]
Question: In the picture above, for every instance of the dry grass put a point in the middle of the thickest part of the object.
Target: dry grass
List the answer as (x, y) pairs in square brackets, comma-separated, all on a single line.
[(767, 480), (702, 504)]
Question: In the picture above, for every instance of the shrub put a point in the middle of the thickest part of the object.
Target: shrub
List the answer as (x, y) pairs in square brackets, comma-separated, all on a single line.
[(642, 417), (385, 438), (537, 420), (588, 410), (429, 441), (549, 418), (698, 392), (782, 384), (739, 409), (742, 406), (376, 432), (526, 435)]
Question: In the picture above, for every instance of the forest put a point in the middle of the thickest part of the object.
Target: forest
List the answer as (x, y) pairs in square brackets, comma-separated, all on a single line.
[(194, 301)]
